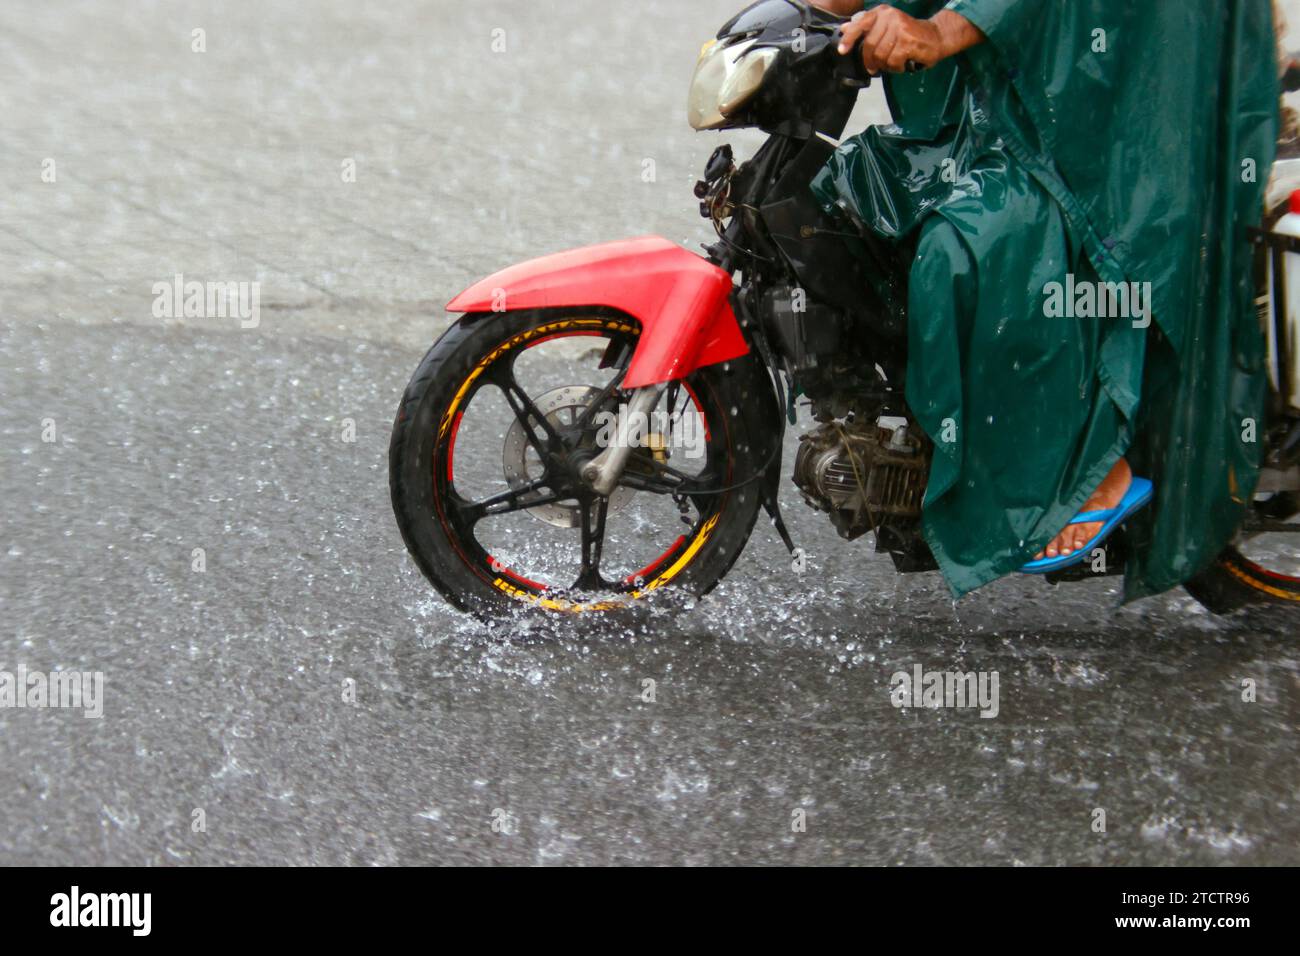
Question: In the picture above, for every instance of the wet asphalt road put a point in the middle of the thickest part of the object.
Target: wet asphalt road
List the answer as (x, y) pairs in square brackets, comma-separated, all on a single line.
[(223, 686)]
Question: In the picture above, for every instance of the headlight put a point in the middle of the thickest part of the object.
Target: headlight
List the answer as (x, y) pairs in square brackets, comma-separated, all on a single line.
[(726, 77)]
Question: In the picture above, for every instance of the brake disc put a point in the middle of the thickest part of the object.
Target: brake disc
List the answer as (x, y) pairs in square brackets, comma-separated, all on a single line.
[(561, 407)]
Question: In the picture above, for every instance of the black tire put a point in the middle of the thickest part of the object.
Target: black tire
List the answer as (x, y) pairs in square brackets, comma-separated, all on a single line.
[(423, 489), (1234, 581)]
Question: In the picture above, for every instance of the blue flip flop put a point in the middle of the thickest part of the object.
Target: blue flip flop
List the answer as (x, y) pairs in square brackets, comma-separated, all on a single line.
[(1139, 493)]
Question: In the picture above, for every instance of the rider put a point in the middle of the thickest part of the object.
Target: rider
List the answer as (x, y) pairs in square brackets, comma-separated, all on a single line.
[(1112, 150)]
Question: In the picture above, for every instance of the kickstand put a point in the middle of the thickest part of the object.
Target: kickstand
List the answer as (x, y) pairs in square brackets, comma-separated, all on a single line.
[(771, 482), (774, 510)]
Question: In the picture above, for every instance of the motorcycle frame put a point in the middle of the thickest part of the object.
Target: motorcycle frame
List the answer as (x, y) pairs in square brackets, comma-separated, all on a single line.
[(772, 233)]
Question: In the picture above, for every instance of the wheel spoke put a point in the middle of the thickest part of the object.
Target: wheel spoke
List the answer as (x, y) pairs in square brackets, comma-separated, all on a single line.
[(528, 414), (666, 479), (587, 413), (514, 499), (654, 485), (593, 542)]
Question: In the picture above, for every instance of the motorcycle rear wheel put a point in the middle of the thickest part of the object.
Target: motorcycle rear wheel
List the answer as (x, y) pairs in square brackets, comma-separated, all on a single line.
[(1253, 571), (1239, 575)]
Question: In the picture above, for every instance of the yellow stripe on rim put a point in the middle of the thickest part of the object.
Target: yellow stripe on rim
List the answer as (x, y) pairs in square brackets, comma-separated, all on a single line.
[(552, 604), (1259, 585), (612, 325)]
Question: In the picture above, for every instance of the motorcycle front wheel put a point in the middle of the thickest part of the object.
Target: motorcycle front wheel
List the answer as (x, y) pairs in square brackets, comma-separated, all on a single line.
[(487, 451)]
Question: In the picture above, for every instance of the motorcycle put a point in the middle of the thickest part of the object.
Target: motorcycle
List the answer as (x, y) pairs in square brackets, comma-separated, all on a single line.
[(635, 394)]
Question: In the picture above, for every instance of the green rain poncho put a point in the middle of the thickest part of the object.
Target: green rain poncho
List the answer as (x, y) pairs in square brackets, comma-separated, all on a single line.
[(1087, 141)]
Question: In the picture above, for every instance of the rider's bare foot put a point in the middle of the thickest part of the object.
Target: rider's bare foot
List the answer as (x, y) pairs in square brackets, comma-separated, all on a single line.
[(1108, 495)]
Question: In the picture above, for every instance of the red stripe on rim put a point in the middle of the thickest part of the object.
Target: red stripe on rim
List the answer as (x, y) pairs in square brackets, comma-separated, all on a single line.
[(500, 568), (1266, 572), (699, 409), (653, 566)]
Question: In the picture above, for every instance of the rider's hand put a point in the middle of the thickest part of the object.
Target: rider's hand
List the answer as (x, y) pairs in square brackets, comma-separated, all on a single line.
[(891, 38)]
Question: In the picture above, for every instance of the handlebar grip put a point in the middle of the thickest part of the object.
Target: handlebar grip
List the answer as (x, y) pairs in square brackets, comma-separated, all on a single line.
[(850, 66), (855, 70)]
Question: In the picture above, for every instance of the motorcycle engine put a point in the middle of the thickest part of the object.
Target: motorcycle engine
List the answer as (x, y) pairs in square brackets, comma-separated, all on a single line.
[(864, 474)]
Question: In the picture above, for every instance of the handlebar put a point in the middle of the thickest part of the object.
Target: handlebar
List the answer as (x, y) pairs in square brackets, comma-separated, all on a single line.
[(854, 71)]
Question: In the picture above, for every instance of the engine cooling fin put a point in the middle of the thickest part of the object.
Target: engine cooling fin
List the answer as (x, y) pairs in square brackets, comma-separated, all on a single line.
[(864, 475)]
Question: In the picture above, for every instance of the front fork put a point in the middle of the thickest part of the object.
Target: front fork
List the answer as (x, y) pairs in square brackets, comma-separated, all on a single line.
[(603, 472)]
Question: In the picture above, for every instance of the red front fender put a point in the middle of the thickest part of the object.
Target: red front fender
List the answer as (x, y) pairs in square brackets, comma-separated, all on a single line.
[(681, 300)]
